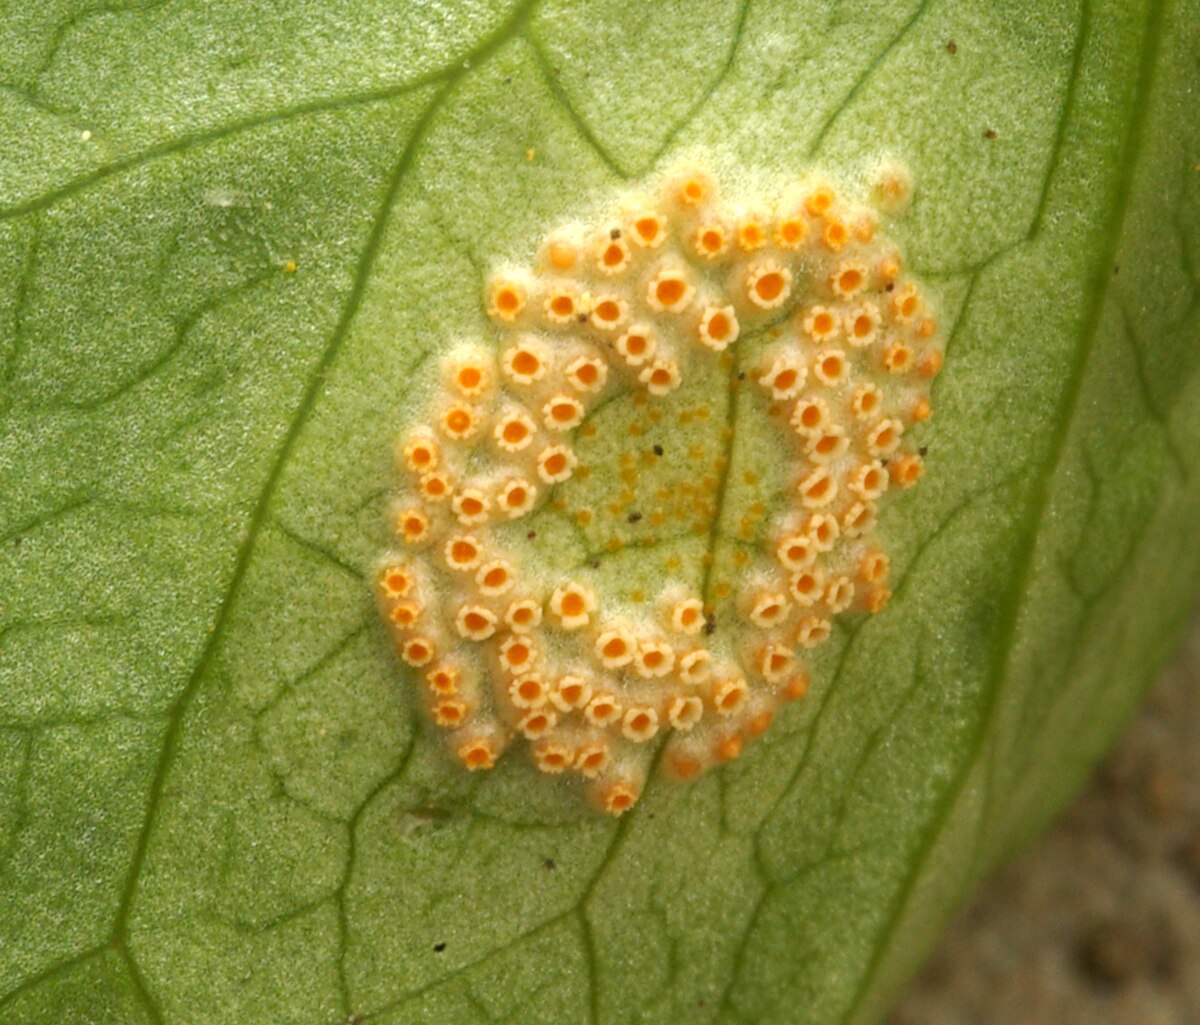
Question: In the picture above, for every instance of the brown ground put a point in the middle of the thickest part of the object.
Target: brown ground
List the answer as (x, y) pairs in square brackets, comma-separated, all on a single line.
[(1099, 923)]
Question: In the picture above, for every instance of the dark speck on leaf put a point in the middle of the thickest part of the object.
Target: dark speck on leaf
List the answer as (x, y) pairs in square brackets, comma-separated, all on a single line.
[(741, 375), (710, 623), (989, 133), (531, 535), (923, 451), (595, 564), (634, 517), (658, 450), (583, 318), (891, 285), (439, 947), (615, 233), (952, 47), (550, 864)]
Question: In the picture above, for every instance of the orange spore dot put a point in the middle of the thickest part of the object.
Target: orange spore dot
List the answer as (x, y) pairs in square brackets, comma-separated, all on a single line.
[(792, 231), (819, 202), (647, 228), (684, 766), (834, 235), (477, 756), (769, 286), (669, 291), (525, 362), (759, 723), (463, 551), (796, 687), (728, 748), (562, 255)]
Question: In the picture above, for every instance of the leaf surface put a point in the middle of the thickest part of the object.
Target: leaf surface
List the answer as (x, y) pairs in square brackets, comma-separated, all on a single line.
[(230, 237)]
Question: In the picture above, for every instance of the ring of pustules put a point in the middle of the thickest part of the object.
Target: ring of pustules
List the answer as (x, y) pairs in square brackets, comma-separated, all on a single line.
[(673, 277)]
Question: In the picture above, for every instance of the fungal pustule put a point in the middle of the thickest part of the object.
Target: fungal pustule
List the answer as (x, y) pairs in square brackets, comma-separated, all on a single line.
[(470, 373), (471, 506), (767, 609), (718, 327), (603, 708), (687, 616), (478, 753), (639, 724), (528, 691), (587, 374), (556, 463), (412, 525), (618, 797), (661, 377), (641, 309), (820, 323), (791, 229), (462, 552), (523, 615), (695, 666), (813, 631), (653, 659), (435, 486), (421, 452), (537, 723), (796, 551), (862, 324), (506, 299), (572, 605), (570, 692), (728, 696), (751, 232), (449, 713), (460, 421), (475, 622), (615, 647), (670, 290), (526, 362), (637, 345), (775, 662), (711, 240), (591, 758), (648, 229), (768, 285), (562, 305), (609, 311), (495, 578), (782, 373), (516, 497), (514, 430), (553, 756), (613, 254), (562, 413)]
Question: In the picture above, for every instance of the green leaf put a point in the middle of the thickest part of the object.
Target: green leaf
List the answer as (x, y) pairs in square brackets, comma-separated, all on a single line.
[(216, 803)]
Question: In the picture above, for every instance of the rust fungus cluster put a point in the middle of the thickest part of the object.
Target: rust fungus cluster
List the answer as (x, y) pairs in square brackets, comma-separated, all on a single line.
[(845, 347)]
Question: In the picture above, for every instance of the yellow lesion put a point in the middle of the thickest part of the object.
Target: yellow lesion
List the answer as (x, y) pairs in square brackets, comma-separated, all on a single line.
[(629, 307)]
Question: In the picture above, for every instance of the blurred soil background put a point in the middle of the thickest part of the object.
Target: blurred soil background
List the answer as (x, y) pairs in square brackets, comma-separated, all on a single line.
[(1099, 922)]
